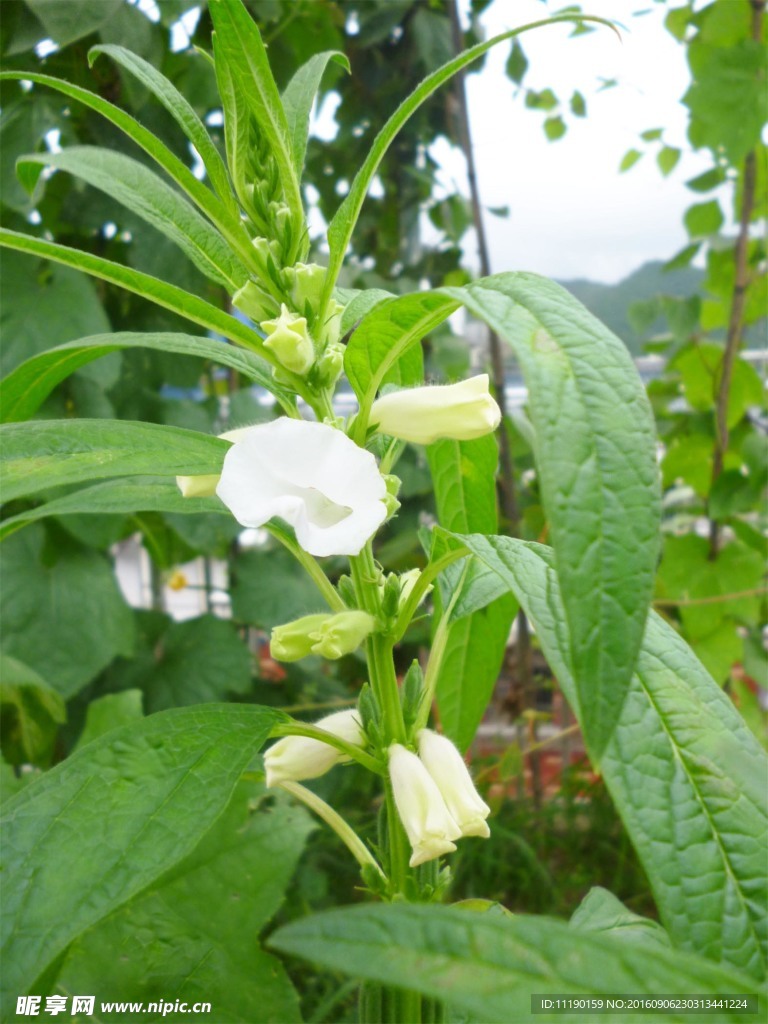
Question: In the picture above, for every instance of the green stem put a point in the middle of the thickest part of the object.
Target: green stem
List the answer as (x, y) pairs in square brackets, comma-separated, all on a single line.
[(399, 847), (378, 648), (436, 655), (343, 830), (312, 732)]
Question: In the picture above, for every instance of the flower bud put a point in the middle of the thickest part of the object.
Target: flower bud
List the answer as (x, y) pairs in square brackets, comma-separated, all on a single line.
[(254, 302), (407, 582), (342, 633), (330, 636), (446, 766), (425, 817), (294, 758), (204, 485), (330, 329), (460, 411), (329, 366), (294, 640), (288, 338), (308, 280)]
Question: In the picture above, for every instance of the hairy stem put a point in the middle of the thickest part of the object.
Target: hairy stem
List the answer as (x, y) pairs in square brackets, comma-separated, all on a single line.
[(738, 300)]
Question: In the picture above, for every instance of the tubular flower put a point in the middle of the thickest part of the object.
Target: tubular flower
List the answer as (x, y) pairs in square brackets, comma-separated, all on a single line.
[(294, 640), (310, 475), (294, 758), (287, 337), (204, 485), (331, 636), (342, 633), (460, 411), (425, 817), (446, 766)]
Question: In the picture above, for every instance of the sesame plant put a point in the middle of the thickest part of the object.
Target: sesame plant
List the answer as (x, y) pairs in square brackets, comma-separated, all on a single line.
[(118, 835)]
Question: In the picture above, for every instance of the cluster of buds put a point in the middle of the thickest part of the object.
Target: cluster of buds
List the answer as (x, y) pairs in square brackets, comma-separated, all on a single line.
[(435, 797), (302, 342)]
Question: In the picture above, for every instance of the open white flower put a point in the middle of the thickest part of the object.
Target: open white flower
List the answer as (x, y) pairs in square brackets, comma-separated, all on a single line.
[(446, 766), (294, 758), (460, 411), (312, 476), (425, 817)]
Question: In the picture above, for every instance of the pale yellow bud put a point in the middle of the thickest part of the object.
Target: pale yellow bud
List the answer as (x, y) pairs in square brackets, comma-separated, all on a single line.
[(461, 412), (288, 338)]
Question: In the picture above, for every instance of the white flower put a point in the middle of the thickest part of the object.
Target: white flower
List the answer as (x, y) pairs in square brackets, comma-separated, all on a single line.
[(426, 820), (294, 758), (460, 411), (446, 766), (204, 485), (312, 476)]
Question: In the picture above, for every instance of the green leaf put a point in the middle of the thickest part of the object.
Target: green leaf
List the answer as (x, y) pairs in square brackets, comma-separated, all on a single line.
[(384, 336), (700, 368), (238, 46), (24, 390), (67, 22), (517, 63), (41, 454), (137, 801), (179, 109), (147, 195), (543, 100), (554, 128), (464, 477), (473, 657), (32, 302), (73, 602), (197, 661), (299, 96), (343, 223), (600, 911), (226, 218), (359, 305), (688, 573), (684, 771), (31, 713), (267, 589), (707, 181), (489, 965), (110, 712), (703, 219), (126, 497), (578, 105), (167, 295), (690, 459), (596, 456), (667, 159), (198, 926), (629, 160), (727, 100)]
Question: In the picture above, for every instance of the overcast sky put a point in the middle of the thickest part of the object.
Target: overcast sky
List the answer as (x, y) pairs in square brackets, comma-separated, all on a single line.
[(572, 213)]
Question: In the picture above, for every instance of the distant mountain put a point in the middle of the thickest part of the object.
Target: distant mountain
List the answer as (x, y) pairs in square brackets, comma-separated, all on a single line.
[(610, 302)]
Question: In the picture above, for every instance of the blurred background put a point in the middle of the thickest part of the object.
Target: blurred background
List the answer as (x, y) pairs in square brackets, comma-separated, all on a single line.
[(630, 169)]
